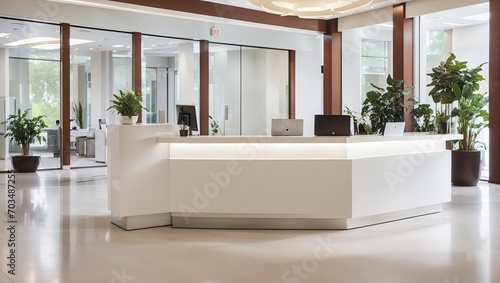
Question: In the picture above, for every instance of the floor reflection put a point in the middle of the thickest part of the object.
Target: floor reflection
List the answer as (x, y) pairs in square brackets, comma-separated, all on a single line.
[(64, 235)]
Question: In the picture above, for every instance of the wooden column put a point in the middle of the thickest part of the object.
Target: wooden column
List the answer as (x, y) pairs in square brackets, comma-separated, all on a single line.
[(403, 54), (204, 87), (65, 95), (332, 69), (494, 92), (137, 66), (291, 84)]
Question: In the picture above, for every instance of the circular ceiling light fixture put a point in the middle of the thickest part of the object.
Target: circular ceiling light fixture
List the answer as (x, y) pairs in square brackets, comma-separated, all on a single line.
[(310, 9)]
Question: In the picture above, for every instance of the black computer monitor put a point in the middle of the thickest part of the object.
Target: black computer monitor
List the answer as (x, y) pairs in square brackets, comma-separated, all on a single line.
[(186, 114), (333, 125)]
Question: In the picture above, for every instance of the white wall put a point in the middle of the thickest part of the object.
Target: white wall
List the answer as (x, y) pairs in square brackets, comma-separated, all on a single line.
[(422, 7), (309, 86), (471, 44), (101, 89)]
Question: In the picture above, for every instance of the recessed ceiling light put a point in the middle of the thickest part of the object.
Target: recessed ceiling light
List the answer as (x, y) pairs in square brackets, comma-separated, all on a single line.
[(3, 34), (484, 17), (46, 42), (454, 24), (91, 48), (76, 49), (117, 46)]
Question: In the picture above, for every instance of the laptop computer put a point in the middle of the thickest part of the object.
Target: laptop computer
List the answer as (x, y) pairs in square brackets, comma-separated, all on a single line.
[(394, 129), (287, 127), (333, 125)]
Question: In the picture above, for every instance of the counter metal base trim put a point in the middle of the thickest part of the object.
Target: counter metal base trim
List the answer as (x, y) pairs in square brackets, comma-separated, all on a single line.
[(241, 222), (142, 221)]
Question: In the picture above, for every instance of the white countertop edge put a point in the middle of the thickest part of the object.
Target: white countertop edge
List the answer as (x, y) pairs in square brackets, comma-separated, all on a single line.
[(305, 139)]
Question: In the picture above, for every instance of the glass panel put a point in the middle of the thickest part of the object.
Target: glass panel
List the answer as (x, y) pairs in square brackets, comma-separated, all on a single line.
[(264, 89), (248, 88), (100, 67), (170, 77), (374, 65), (33, 71), (225, 88), (366, 60)]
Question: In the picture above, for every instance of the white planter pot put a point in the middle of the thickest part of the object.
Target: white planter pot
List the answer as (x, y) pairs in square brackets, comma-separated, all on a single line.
[(126, 120)]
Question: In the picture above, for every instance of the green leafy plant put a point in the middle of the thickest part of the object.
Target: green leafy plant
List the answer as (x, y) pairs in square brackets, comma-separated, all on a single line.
[(362, 119), (214, 125), (127, 103), (78, 112), (441, 117), (451, 72), (183, 126), (24, 130), (423, 120), (472, 117), (385, 105)]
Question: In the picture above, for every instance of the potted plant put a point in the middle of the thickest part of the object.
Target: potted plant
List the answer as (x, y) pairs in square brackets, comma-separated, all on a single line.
[(24, 131), (362, 123), (78, 112), (472, 118), (422, 116), (442, 122), (453, 81), (128, 104), (183, 129), (385, 105), (214, 125)]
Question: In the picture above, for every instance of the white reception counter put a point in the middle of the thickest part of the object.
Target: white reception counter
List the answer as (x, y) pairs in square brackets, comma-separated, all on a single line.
[(272, 182)]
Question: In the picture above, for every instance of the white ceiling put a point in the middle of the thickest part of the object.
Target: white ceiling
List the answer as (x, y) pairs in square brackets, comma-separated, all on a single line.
[(376, 4), (109, 41)]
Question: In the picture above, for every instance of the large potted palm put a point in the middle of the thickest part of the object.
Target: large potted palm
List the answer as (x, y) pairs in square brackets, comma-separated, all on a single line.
[(453, 81), (25, 131), (472, 118)]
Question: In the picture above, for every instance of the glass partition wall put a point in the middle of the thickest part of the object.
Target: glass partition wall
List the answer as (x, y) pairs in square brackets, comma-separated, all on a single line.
[(31, 69), (248, 88), (101, 65), (170, 76), (366, 60)]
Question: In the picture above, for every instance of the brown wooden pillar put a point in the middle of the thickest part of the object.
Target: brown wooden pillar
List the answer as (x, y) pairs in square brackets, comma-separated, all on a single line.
[(65, 95), (291, 84), (403, 54), (332, 69), (494, 92), (204, 86), (137, 66)]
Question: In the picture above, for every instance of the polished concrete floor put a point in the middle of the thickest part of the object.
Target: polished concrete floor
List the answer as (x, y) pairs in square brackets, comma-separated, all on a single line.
[(64, 235)]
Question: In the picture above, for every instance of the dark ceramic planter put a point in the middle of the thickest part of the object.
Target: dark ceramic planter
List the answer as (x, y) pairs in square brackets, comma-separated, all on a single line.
[(442, 128), (25, 163), (183, 133), (465, 167)]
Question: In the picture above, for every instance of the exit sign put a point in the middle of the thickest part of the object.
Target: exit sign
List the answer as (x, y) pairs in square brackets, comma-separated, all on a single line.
[(215, 32)]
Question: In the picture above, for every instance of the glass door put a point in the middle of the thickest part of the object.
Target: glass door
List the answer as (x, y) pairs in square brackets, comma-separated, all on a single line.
[(248, 88)]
